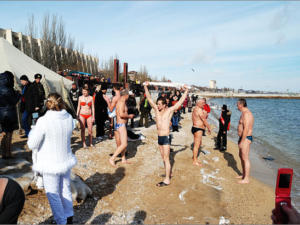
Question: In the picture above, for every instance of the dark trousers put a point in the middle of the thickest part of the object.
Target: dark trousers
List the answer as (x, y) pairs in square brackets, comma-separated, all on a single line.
[(222, 139), (100, 123), (25, 122), (144, 116), (132, 123)]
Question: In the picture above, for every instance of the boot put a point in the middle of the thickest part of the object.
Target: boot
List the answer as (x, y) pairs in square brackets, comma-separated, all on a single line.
[(9, 145), (4, 146)]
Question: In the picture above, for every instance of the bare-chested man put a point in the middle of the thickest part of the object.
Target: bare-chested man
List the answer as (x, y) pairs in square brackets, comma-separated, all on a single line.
[(120, 127), (245, 128), (163, 116), (111, 105), (199, 117)]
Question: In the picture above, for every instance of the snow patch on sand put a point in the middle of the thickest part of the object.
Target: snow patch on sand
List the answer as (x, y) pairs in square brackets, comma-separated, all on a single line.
[(181, 195), (223, 221), (210, 178), (215, 159)]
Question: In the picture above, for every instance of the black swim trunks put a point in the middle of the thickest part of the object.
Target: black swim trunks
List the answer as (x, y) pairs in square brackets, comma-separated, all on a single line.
[(196, 129), (164, 140)]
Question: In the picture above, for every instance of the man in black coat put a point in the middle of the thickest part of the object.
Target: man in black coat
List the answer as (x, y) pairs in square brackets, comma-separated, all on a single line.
[(35, 96), (8, 112), (25, 115), (224, 123), (100, 111)]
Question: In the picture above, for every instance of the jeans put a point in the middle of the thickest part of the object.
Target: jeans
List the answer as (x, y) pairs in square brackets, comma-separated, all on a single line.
[(25, 124), (175, 119)]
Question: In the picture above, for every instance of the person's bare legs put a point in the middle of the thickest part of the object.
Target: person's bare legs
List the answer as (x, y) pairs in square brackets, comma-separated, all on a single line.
[(123, 138), (197, 144), (123, 144), (166, 158), (82, 127), (246, 162), (89, 122), (111, 127), (242, 162)]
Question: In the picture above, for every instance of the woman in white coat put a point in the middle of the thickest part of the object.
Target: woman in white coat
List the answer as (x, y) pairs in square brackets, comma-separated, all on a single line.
[(52, 137)]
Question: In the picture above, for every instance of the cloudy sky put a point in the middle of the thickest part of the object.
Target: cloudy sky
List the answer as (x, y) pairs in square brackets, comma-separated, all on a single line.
[(240, 44)]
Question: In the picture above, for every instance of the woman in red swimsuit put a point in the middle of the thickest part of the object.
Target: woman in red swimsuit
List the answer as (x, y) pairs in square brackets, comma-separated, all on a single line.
[(86, 115)]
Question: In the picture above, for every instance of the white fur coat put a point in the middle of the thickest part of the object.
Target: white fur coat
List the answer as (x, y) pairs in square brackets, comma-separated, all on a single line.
[(52, 137)]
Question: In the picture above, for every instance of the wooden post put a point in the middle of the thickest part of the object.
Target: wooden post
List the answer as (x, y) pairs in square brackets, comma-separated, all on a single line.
[(125, 73), (116, 70)]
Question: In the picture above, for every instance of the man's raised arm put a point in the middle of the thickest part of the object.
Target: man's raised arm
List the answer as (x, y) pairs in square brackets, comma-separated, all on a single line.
[(181, 100), (148, 96)]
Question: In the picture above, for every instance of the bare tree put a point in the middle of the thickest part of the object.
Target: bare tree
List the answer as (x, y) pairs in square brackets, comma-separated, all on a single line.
[(31, 28)]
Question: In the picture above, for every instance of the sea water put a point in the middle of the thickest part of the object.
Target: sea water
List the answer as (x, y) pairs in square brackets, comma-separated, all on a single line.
[(276, 132)]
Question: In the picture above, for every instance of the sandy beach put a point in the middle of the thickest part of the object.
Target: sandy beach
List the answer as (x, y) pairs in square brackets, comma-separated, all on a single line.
[(128, 194)]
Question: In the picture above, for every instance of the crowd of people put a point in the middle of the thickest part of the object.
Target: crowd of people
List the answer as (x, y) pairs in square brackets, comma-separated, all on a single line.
[(49, 126)]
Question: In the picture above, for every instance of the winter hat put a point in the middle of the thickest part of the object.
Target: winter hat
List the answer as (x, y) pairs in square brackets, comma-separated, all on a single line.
[(24, 77)]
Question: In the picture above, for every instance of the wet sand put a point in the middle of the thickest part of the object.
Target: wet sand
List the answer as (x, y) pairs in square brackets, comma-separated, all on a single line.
[(128, 194)]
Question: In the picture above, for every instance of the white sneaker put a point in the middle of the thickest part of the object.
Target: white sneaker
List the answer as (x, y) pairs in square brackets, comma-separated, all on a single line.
[(142, 137)]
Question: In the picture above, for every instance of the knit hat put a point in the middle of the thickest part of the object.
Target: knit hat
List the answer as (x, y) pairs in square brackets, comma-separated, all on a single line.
[(224, 107), (24, 77), (37, 76)]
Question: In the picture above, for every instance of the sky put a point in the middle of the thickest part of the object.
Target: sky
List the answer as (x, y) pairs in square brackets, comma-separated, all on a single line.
[(253, 45)]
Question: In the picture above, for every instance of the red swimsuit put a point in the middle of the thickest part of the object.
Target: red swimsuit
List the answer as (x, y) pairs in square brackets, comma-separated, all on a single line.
[(84, 104)]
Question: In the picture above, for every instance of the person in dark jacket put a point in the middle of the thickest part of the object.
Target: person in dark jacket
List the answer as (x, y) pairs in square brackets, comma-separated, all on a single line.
[(25, 115), (35, 96), (131, 106), (145, 109), (40, 93), (12, 200), (74, 95), (8, 112), (100, 111), (224, 123)]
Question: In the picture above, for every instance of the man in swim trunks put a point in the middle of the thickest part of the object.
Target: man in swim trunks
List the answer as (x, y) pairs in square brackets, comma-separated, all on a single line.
[(163, 115), (245, 128), (120, 127), (112, 107), (199, 117)]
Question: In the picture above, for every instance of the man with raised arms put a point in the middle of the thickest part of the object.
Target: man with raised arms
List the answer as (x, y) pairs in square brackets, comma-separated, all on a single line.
[(163, 116), (245, 128), (120, 127), (199, 117)]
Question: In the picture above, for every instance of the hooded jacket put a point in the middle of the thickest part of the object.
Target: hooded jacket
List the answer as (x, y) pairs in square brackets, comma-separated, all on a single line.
[(8, 98)]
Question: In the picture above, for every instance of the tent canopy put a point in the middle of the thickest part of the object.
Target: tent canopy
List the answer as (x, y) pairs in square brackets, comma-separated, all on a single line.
[(12, 59)]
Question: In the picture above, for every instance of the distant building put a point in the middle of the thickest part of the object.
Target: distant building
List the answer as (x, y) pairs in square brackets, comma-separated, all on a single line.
[(212, 84), (34, 49)]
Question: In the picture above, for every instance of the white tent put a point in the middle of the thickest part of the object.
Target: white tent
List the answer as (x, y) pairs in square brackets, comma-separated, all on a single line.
[(12, 59)]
